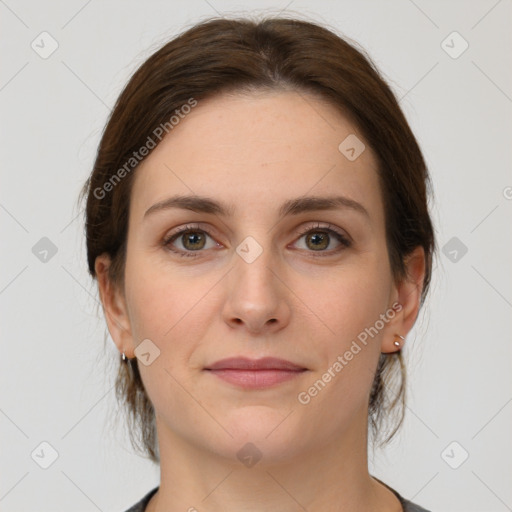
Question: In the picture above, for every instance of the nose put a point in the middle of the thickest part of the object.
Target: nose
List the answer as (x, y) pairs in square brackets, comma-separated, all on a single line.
[(257, 298)]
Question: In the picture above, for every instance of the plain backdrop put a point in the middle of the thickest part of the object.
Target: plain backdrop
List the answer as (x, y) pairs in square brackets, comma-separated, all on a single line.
[(454, 450)]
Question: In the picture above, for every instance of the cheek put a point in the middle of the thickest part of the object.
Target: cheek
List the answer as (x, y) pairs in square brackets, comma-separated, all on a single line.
[(154, 299), (349, 299), (167, 306), (350, 304)]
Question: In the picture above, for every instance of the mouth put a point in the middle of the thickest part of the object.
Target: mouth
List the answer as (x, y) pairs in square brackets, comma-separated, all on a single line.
[(255, 373)]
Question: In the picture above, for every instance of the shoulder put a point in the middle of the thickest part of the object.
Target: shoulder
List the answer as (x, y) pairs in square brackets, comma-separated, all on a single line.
[(140, 506), (408, 506)]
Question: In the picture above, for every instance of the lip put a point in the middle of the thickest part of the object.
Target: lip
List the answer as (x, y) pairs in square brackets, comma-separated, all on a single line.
[(264, 363), (255, 373)]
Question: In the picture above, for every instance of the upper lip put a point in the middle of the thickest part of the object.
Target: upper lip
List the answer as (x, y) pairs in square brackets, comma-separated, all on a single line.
[(244, 363)]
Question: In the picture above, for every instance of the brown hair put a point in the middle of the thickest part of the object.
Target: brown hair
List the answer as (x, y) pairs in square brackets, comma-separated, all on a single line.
[(220, 55)]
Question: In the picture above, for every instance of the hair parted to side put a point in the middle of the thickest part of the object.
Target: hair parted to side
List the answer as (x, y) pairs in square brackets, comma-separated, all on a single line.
[(243, 55)]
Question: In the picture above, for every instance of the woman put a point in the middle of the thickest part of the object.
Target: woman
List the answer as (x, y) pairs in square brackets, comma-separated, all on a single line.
[(257, 223)]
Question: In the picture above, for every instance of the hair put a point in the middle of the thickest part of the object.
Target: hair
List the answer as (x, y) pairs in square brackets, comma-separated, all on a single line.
[(221, 55)]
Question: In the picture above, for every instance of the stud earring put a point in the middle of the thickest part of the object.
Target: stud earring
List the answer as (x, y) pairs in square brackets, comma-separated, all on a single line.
[(124, 358), (397, 343)]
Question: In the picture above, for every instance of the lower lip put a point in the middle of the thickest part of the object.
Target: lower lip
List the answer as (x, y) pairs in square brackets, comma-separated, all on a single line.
[(254, 379)]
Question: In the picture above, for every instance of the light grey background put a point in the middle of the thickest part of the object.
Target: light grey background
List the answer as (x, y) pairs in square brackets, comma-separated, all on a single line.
[(56, 377)]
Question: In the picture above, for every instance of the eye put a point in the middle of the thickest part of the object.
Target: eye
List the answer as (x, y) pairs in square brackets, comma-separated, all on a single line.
[(191, 238), (318, 238)]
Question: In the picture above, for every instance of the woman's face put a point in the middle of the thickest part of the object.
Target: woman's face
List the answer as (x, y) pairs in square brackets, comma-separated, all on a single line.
[(262, 272)]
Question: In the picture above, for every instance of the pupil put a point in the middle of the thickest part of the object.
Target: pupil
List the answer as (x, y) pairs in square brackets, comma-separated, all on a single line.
[(192, 239), (318, 239)]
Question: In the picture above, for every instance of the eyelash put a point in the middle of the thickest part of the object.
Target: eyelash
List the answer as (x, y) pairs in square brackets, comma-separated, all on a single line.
[(345, 242)]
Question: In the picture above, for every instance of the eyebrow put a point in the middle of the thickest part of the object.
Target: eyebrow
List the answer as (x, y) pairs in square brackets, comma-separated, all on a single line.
[(202, 204)]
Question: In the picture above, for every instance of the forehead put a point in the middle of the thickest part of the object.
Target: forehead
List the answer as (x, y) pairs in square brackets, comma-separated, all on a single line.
[(259, 148)]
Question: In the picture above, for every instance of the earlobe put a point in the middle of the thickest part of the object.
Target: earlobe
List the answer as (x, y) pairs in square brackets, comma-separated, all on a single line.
[(393, 345), (114, 306), (408, 293)]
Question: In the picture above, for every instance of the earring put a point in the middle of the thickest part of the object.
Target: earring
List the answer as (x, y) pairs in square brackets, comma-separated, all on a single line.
[(124, 358), (397, 343)]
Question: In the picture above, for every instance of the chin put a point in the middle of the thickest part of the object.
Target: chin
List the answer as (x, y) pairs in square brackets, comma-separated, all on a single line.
[(259, 431)]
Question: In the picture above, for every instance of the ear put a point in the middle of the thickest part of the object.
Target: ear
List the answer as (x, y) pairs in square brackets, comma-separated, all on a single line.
[(407, 296), (114, 307)]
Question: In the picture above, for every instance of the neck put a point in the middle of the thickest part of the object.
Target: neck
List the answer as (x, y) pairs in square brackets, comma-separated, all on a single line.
[(331, 477)]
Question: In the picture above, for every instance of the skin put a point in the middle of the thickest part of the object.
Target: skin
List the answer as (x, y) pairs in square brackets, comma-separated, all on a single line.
[(254, 152)]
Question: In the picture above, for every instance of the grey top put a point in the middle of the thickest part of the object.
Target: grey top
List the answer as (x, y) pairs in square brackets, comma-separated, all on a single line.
[(407, 505)]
